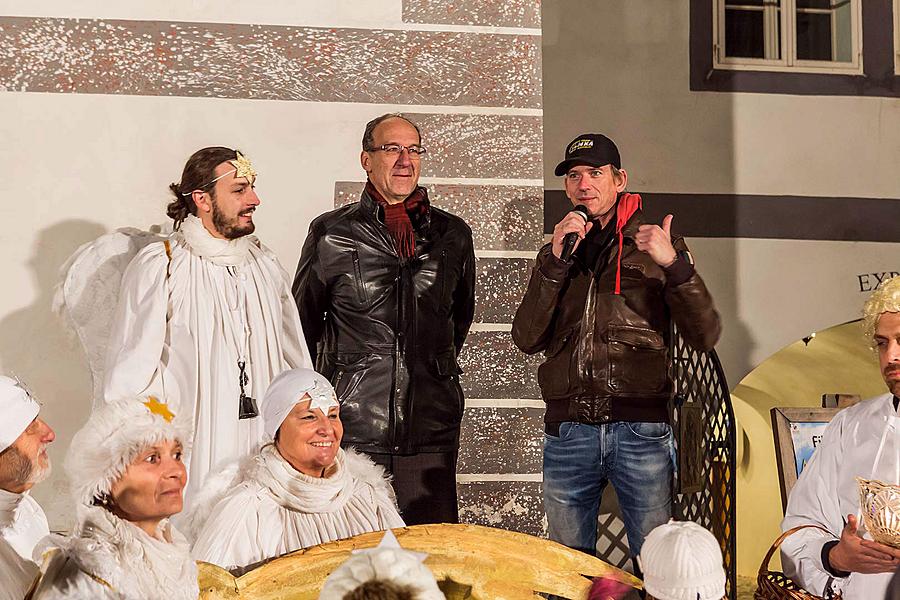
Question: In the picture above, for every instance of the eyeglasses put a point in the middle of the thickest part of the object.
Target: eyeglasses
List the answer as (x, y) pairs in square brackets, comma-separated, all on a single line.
[(415, 151)]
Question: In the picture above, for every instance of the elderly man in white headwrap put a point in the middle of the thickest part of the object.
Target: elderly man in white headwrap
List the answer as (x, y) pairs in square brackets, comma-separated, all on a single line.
[(23, 462), (299, 490), (842, 558), (127, 476)]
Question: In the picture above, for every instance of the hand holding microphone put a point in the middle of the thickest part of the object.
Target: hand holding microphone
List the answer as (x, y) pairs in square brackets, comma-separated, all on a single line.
[(569, 232)]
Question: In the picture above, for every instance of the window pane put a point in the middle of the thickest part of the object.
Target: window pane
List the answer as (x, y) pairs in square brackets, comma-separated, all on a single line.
[(815, 3), (744, 34), (825, 34), (752, 32)]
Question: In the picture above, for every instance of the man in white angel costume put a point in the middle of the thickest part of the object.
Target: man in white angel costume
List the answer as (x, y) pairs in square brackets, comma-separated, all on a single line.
[(24, 438), (301, 489), (861, 441), (205, 317)]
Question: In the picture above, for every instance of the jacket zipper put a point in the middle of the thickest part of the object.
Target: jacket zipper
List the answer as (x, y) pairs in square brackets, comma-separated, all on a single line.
[(360, 285), (398, 344)]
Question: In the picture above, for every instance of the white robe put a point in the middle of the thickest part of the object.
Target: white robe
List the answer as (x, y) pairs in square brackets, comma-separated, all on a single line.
[(16, 574), (22, 525), (179, 330), (111, 559), (274, 509), (827, 492)]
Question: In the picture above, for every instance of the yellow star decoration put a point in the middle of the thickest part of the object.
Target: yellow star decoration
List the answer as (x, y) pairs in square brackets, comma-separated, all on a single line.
[(243, 168), (158, 408)]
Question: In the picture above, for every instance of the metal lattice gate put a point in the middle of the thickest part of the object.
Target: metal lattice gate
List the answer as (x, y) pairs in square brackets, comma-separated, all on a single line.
[(705, 439), (704, 492)]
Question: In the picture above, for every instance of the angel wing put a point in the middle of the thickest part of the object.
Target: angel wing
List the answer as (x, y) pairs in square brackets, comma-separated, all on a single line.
[(89, 292)]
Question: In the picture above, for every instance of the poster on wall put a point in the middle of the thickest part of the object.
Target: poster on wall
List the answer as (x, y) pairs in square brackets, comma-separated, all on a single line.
[(797, 432), (805, 437)]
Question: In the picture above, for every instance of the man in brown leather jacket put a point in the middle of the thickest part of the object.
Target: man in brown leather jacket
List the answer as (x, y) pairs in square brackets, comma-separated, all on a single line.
[(602, 318)]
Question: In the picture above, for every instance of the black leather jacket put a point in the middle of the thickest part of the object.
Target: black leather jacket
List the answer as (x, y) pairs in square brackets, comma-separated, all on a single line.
[(607, 355), (387, 331)]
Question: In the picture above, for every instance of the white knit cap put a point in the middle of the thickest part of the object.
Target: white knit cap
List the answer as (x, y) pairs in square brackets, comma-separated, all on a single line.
[(387, 562), (288, 389), (113, 437), (682, 561), (18, 409)]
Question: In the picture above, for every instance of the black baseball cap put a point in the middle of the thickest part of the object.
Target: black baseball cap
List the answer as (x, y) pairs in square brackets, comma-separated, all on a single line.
[(592, 149)]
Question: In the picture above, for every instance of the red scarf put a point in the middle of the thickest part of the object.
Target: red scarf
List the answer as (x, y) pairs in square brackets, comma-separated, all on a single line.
[(628, 205), (397, 218)]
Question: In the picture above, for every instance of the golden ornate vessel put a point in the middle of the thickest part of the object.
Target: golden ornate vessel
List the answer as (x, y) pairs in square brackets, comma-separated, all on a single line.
[(468, 561)]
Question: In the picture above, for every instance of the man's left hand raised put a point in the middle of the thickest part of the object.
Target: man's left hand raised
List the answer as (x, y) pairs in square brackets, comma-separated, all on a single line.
[(657, 242)]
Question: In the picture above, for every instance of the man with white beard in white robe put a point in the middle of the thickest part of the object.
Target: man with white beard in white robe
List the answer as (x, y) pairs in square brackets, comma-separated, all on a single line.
[(206, 319), (299, 490), (24, 437), (844, 559)]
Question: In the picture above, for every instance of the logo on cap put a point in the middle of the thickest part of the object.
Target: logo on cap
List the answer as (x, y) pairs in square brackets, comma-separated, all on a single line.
[(580, 144)]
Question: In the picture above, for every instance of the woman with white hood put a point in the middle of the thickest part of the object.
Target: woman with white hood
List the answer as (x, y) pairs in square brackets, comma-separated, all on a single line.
[(126, 472), (301, 489)]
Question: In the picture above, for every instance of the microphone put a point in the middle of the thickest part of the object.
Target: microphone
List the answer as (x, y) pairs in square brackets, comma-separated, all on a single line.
[(572, 238)]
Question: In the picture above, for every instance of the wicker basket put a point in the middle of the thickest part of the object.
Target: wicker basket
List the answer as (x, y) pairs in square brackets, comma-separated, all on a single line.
[(880, 505), (773, 585)]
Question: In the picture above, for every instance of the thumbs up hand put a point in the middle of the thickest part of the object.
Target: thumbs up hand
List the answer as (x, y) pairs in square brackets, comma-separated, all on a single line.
[(657, 242)]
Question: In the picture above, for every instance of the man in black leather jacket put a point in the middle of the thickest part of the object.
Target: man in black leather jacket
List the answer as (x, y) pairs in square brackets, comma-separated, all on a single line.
[(385, 290), (602, 318)]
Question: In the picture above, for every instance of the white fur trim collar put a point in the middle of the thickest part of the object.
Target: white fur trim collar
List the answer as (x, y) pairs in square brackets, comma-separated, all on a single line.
[(130, 561), (226, 253)]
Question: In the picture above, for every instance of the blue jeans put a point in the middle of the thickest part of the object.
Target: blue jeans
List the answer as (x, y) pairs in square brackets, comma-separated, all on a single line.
[(637, 458)]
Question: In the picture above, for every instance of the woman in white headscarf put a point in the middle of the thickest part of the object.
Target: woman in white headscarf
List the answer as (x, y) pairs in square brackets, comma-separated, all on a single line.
[(299, 490), (126, 471)]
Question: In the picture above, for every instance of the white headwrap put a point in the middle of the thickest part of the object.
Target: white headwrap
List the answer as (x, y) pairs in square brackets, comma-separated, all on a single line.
[(112, 439), (682, 561), (387, 562), (18, 409), (288, 390)]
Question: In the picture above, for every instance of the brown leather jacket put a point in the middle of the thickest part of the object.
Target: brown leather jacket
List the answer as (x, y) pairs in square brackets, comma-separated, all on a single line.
[(607, 355)]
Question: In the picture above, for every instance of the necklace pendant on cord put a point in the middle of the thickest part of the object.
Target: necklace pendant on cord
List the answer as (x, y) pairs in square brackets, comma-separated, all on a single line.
[(247, 408)]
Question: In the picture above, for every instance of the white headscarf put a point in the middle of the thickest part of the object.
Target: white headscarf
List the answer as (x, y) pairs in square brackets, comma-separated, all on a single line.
[(288, 390), (18, 409)]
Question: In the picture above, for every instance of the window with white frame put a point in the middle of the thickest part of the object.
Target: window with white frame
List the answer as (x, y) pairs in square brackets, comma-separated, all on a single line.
[(789, 35)]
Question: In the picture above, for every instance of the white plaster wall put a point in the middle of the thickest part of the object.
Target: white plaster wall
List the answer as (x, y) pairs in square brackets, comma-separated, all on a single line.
[(771, 293)]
